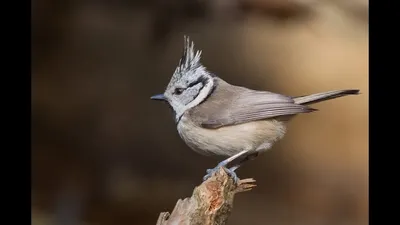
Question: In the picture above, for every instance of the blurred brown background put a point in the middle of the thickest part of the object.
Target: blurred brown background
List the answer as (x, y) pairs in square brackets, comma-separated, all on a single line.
[(104, 154)]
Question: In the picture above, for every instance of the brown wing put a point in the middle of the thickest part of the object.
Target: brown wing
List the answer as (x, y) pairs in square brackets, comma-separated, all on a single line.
[(230, 105)]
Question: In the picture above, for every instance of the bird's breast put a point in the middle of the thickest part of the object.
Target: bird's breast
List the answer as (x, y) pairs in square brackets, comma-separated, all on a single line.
[(229, 140)]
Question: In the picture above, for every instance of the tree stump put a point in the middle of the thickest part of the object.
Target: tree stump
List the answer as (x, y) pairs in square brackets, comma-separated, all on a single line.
[(210, 204)]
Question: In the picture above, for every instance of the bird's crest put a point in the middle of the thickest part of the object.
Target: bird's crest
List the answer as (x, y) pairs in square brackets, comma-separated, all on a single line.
[(190, 58), (189, 61)]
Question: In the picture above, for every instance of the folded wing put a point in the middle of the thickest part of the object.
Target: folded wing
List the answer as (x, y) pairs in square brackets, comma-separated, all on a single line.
[(231, 105)]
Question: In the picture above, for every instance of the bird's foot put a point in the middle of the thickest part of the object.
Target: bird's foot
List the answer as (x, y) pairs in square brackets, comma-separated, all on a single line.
[(230, 172)]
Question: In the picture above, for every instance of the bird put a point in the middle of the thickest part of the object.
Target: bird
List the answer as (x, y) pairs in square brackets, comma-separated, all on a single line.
[(216, 118)]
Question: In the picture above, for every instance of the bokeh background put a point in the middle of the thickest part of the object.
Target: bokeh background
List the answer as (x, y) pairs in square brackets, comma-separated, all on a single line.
[(104, 154)]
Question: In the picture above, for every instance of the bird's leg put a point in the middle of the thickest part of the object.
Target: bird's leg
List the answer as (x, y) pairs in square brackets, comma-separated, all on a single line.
[(247, 158), (223, 164)]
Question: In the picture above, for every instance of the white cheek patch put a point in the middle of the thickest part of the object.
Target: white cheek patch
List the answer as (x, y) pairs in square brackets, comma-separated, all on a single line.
[(194, 91), (202, 94)]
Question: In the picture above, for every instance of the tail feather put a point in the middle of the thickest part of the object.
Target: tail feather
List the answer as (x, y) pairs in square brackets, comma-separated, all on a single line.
[(319, 97)]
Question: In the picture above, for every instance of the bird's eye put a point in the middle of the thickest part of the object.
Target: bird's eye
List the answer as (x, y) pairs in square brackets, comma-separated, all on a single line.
[(178, 91)]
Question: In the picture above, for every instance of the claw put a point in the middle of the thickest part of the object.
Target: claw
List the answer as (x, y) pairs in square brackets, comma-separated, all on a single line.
[(230, 172), (210, 172), (233, 168), (223, 164)]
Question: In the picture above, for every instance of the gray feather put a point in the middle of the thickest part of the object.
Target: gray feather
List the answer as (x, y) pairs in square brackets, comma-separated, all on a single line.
[(319, 97), (231, 105)]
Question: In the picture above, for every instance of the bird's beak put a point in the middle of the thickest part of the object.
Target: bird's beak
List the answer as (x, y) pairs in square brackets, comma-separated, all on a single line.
[(159, 97)]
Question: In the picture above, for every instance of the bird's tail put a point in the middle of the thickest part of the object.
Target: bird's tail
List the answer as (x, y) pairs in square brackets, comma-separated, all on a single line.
[(319, 97)]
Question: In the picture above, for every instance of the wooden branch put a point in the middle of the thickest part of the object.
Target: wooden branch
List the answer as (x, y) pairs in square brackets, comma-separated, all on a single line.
[(211, 202)]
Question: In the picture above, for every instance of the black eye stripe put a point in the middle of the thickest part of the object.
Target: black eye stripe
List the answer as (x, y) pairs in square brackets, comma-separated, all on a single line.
[(201, 79)]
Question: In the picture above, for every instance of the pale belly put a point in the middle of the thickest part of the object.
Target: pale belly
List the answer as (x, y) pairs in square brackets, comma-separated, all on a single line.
[(227, 141)]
